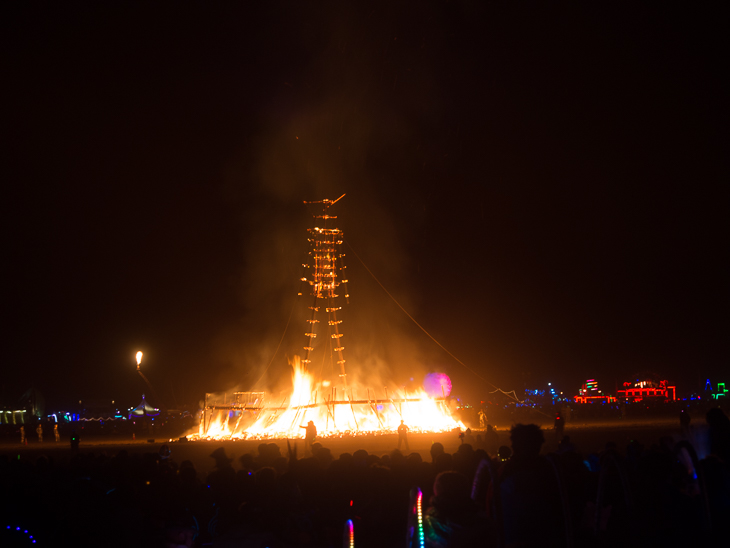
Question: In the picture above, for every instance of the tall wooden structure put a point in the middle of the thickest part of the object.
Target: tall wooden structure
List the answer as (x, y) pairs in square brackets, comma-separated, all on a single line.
[(325, 275)]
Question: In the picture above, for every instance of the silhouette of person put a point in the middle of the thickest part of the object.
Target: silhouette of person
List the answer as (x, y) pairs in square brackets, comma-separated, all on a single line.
[(565, 446), (403, 435), (437, 449), (482, 419), (559, 425), (684, 420), (468, 437), (55, 433), (528, 493), (39, 431), (22, 435), (221, 481), (309, 435), (492, 439), (719, 433), (453, 519)]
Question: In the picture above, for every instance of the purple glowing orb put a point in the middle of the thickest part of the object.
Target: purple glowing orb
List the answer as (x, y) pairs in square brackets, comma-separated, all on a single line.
[(437, 385)]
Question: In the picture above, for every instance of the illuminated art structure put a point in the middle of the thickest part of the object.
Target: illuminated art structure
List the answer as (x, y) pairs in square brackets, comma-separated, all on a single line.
[(721, 391), (646, 390), (336, 408), (589, 393)]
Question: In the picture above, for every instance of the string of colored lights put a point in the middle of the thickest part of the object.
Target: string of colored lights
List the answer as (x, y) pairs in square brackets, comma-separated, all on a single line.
[(349, 534), (20, 532), (419, 505)]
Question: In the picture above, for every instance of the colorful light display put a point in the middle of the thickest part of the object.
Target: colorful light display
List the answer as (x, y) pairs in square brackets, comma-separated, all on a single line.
[(589, 393), (416, 533), (647, 390), (721, 391), (437, 384), (349, 535)]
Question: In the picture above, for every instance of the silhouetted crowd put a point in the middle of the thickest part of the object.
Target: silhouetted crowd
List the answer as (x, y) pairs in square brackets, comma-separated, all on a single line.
[(663, 495)]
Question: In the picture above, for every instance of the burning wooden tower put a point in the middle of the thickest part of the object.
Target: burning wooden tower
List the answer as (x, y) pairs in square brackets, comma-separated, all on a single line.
[(326, 275), (335, 410)]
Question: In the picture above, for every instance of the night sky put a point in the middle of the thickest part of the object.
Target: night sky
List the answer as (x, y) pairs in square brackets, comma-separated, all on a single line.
[(543, 188)]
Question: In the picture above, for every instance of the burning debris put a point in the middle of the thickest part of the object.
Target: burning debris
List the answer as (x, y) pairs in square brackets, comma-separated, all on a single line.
[(335, 406)]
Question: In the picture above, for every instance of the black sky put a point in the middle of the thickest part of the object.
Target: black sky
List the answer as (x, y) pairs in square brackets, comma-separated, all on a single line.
[(543, 187)]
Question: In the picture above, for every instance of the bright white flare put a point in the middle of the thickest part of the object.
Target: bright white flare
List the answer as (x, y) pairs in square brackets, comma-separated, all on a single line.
[(311, 400), (139, 358)]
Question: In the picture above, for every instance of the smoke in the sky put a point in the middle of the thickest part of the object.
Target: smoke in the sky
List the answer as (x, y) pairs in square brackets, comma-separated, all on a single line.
[(313, 147)]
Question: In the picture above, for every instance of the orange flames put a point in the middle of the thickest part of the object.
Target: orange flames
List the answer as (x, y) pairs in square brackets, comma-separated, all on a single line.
[(335, 412)]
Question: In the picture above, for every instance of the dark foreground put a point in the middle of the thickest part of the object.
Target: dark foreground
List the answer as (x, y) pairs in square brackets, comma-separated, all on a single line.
[(131, 494), (587, 437)]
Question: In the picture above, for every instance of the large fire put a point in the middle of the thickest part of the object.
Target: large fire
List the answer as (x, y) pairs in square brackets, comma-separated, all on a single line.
[(355, 412), (335, 411)]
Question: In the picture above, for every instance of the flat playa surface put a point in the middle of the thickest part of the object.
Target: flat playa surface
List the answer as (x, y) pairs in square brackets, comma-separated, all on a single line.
[(587, 438)]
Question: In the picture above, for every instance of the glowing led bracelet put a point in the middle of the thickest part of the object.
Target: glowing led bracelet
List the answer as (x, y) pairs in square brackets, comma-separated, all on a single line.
[(349, 540), (419, 510)]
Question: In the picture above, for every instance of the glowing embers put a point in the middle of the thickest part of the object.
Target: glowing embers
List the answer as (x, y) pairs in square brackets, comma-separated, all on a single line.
[(335, 411)]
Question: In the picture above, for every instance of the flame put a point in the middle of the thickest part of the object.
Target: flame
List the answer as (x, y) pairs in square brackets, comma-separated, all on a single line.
[(334, 411), (139, 357)]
